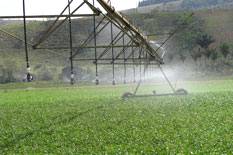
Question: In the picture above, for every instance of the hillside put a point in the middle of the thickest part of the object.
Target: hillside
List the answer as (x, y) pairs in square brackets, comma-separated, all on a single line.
[(186, 48), (54, 64), (45, 64)]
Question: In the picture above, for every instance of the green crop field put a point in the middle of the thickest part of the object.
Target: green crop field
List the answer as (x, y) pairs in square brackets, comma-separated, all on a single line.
[(95, 120)]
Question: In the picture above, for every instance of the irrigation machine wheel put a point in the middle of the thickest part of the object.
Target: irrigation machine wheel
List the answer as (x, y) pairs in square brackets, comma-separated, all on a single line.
[(126, 95), (181, 91)]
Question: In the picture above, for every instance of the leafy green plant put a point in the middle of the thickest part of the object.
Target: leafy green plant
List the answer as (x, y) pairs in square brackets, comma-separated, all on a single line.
[(95, 120)]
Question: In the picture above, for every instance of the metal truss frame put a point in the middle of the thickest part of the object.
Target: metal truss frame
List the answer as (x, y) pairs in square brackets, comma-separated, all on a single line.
[(127, 47)]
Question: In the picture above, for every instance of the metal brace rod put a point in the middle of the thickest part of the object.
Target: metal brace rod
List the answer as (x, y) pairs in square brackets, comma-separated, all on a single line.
[(118, 25), (46, 16), (132, 53), (81, 47), (18, 38), (127, 64), (123, 50), (166, 78), (163, 73), (92, 7), (111, 45), (53, 27), (106, 59), (89, 38), (94, 33), (113, 41), (53, 24), (14, 36)]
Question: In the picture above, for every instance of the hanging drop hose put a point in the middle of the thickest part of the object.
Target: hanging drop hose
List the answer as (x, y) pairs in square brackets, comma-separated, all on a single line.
[(140, 81), (29, 77), (71, 47)]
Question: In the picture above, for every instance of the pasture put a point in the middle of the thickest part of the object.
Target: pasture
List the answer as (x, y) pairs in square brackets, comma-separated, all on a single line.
[(95, 120)]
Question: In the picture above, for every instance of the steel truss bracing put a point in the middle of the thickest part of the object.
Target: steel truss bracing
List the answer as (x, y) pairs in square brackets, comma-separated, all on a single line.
[(127, 47)]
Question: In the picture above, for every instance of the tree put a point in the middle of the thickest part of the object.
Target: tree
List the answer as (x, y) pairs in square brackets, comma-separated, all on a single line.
[(225, 49), (195, 55), (189, 30), (208, 53), (205, 40), (214, 55)]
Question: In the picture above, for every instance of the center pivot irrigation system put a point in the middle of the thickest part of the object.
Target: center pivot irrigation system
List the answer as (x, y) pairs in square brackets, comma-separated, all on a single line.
[(127, 46)]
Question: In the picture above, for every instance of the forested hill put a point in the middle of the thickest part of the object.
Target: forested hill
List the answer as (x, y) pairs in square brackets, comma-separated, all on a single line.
[(188, 4)]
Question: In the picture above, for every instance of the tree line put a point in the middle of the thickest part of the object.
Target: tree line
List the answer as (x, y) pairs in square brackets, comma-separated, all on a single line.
[(152, 2), (187, 4)]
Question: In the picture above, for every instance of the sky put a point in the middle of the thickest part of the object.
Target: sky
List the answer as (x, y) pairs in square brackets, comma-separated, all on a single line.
[(36, 7)]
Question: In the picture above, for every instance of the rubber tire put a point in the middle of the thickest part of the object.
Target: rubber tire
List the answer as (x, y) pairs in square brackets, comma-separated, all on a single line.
[(126, 95), (182, 91)]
